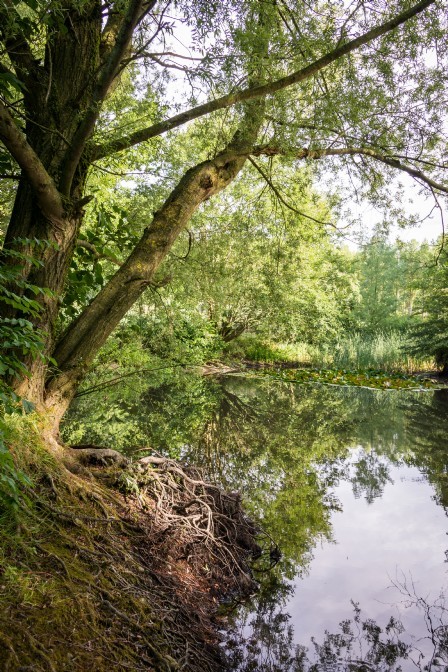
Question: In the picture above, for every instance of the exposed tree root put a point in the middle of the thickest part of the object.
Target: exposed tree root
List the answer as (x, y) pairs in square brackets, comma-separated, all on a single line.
[(102, 457), (208, 523), (124, 570)]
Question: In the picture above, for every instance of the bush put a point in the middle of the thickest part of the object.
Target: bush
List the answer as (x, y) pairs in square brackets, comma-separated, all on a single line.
[(20, 339), (430, 339), (11, 478), (189, 339)]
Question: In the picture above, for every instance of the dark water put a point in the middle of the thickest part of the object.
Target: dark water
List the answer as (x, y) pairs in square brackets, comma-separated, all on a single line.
[(353, 486)]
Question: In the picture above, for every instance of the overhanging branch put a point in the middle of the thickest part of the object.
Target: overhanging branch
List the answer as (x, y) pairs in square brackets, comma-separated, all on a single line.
[(389, 160), (120, 144), (282, 199), (88, 332)]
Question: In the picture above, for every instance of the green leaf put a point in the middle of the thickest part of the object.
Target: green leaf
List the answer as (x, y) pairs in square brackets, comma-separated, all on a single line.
[(8, 78)]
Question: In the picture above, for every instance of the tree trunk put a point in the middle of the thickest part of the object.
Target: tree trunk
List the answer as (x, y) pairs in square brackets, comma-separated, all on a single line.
[(231, 330), (57, 95), (62, 104), (77, 348)]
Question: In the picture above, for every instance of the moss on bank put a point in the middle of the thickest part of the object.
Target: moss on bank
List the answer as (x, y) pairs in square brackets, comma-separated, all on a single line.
[(103, 568)]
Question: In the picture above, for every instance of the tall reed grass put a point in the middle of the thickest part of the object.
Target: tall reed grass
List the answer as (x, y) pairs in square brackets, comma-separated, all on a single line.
[(385, 351)]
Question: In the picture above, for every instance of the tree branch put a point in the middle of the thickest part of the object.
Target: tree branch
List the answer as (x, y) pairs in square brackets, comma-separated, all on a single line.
[(105, 79), (90, 330), (392, 161), (282, 199), (161, 54), (251, 93), (109, 34), (112, 28), (173, 66), (16, 45), (96, 253), (48, 197)]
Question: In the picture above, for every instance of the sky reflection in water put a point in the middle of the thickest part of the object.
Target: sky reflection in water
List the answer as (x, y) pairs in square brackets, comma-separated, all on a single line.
[(398, 538), (387, 554)]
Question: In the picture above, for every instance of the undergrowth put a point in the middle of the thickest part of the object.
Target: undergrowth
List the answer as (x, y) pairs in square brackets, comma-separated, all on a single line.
[(92, 578), (257, 349), (383, 351)]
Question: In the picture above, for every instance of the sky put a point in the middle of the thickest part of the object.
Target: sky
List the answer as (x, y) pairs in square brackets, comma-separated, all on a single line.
[(429, 229), (400, 537)]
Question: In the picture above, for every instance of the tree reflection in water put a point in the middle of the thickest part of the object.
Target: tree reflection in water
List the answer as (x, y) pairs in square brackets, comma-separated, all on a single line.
[(286, 448), (359, 645)]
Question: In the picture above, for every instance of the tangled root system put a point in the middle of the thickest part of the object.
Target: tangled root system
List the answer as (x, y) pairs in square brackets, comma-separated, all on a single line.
[(124, 569)]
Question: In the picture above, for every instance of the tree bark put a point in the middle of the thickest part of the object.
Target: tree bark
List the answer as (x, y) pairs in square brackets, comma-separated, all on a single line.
[(57, 101), (79, 345)]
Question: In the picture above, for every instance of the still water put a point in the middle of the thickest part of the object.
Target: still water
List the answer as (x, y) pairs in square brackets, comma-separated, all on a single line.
[(351, 483)]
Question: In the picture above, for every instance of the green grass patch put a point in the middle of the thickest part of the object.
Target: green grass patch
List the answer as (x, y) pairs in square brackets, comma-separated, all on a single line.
[(254, 349)]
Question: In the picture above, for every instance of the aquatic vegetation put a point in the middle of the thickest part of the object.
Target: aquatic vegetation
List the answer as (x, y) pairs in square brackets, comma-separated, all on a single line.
[(372, 378)]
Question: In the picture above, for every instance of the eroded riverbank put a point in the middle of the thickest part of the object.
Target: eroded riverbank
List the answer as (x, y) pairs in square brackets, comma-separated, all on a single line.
[(118, 567)]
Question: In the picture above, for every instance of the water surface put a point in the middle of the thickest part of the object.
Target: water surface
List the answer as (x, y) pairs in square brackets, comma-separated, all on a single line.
[(351, 483)]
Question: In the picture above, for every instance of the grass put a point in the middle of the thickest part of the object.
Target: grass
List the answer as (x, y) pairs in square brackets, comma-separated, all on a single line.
[(382, 351), (254, 349), (385, 351)]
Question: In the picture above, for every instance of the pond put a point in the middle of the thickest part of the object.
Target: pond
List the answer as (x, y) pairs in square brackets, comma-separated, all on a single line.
[(351, 483)]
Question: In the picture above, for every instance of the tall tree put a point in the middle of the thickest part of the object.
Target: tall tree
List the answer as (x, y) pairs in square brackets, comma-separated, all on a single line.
[(382, 277), (350, 82)]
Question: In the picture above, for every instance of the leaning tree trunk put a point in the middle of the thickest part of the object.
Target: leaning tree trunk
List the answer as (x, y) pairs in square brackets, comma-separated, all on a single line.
[(62, 106), (79, 345)]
